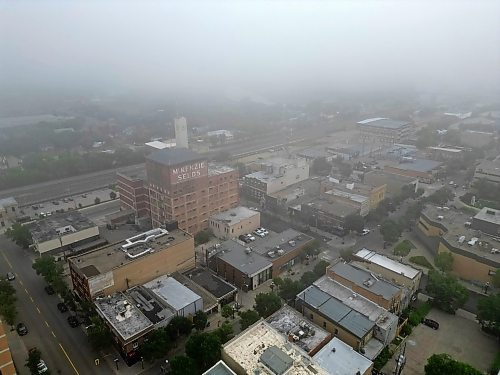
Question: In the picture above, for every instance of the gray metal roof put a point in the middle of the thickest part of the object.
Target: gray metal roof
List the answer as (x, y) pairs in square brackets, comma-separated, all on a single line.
[(489, 215), (365, 280), (334, 309), (220, 368), (235, 254), (276, 360), (174, 156)]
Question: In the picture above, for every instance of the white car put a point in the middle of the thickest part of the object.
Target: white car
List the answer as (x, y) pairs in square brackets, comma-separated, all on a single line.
[(42, 367), (260, 234), (250, 237), (263, 230)]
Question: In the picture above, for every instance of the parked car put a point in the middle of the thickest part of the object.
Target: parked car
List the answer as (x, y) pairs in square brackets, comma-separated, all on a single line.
[(244, 238), (73, 321), (364, 232), (250, 237), (55, 203), (430, 323), (263, 230), (10, 276), (258, 233), (62, 307), (49, 290), (42, 367), (21, 329)]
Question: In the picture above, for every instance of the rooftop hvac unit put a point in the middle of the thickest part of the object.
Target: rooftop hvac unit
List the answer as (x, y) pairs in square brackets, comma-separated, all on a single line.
[(461, 239)]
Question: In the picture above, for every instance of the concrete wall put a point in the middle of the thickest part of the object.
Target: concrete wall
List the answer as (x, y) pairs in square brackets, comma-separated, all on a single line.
[(226, 231)]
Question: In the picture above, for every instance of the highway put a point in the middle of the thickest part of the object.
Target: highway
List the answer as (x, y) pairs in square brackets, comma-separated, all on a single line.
[(51, 190), (64, 349)]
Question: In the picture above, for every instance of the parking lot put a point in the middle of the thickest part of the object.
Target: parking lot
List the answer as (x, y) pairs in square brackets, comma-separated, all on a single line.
[(459, 337)]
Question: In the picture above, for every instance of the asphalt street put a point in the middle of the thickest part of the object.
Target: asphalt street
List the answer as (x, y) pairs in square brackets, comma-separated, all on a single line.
[(64, 349)]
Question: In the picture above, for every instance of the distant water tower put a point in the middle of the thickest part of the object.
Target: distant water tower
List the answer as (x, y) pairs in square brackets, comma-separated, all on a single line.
[(181, 135)]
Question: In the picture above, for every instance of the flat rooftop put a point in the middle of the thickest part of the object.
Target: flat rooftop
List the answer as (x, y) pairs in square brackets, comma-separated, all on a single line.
[(289, 322), (338, 209), (418, 165), (279, 243), (388, 263), (155, 310), (252, 351), (382, 122), (489, 215), (446, 149), (347, 195), (235, 215), (172, 292), (209, 300), (211, 282), (371, 310), (332, 308), (7, 202), (106, 258), (242, 258), (133, 175), (214, 169), (365, 280), (59, 224), (453, 222), (338, 358), (125, 318)]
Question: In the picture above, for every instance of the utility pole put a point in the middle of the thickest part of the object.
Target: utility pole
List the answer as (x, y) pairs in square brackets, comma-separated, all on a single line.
[(400, 361)]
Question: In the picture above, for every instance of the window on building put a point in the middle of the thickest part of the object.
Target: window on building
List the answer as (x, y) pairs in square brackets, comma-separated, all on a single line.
[(324, 324)]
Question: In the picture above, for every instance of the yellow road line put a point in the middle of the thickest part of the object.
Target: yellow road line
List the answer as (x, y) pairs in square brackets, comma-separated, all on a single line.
[(37, 309), (69, 359), (4, 257), (53, 334), (47, 324)]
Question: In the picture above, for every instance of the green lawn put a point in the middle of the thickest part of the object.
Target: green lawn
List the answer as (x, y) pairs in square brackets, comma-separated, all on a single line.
[(403, 248), (422, 261)]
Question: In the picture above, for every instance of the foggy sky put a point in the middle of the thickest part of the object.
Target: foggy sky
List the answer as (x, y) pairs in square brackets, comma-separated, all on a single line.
[(257, 46)]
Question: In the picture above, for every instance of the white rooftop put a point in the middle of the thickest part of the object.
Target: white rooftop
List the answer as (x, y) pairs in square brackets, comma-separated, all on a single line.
[(383, 261), (339, 358), (173, 292), (247, 348), (160, 145), (446, 149), (235, 215)]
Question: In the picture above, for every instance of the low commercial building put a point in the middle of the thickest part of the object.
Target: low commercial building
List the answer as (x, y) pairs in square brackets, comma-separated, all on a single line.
[(360, 202), (386, 323), (423, 169), (471, 240), (338, 358), (395, 183), (133, 192), (249, 265), (315, 153), (326, 215), (7, 366), (397, 272), (348, 325), (274, 175), (221, 291), (384, 130), (135, 261), (298, 330), (260, 349), (488, 170), (363, 282), (61, 233), (9, 210), (366, 196), (234, 222)]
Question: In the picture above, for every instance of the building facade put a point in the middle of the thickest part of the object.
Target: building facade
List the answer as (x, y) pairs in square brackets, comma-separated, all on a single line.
[(384, 130), (133, 193), (183, 188), (234, 222)]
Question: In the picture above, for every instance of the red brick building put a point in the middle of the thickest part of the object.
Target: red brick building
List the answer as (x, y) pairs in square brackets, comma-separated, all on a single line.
[(133, 193), (184, 188)]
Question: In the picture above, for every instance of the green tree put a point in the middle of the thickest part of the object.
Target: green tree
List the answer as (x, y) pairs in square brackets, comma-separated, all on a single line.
[(321, 167), (312, 248), (390, 231), (441, 196), (267, 303), (20, 234), (247, 318), (204, 349), (112, 195), (99, 335), (307, 279), (203, 237), (179, 325), (227, 311), (320, 268), (440, 364), (354, 222), (488, 312), (182, 365), (157, 345), (444, 261), (224, 332), (447, 292), (34, 356), (200, 320), (97, 200), (289, 288), (47, 266)]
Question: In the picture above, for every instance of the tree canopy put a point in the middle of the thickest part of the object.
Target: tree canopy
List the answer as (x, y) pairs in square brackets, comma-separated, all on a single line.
[(200, 320), (8, 302), (267, 303), (444, 261), (182, 365), (390, 230), (204, 349), (99, 335), (320, 268), (354, 222), (34, 356), (227, 311), (489, 312), (447, 292), (247, 318), (20, 234), (440, 364)]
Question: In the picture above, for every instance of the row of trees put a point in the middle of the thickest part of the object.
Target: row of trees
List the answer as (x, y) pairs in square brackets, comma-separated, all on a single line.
[(8, 299), (20, 234)]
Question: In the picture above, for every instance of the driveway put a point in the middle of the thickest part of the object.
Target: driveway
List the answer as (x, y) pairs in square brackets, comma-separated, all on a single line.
[(460, 337)]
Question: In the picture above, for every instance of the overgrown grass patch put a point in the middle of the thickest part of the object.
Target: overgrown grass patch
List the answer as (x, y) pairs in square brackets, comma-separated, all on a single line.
[(418, 314), (403, 248), (421, 261)]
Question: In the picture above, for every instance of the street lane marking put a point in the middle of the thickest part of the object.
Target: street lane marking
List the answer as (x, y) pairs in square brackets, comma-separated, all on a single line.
[(4, 257), (21, 282), (26, 290), (47, 324), (31, 298), (69, 359), (37, 309), (53, 334)]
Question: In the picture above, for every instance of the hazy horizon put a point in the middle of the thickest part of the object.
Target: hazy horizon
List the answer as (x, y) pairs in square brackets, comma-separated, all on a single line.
[(256, 48)]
